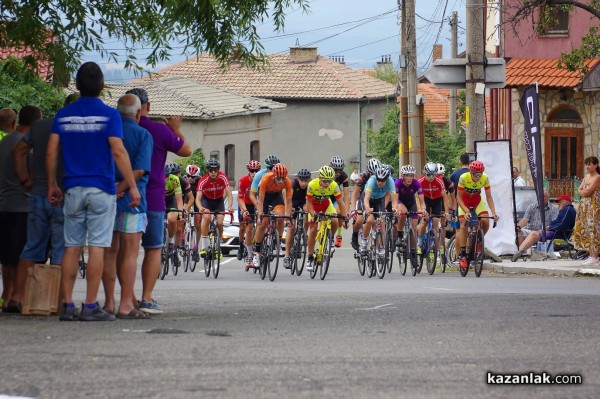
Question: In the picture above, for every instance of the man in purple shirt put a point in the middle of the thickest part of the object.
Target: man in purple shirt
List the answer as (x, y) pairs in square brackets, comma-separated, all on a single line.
[(167, 137)]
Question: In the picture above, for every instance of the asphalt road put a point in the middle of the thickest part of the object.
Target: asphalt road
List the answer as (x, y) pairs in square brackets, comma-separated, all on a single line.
[(346, 336)]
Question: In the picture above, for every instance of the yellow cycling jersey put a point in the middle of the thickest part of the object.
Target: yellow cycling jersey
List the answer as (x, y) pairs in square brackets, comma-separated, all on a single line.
[(172, 186), (320, 194), (471, 190)]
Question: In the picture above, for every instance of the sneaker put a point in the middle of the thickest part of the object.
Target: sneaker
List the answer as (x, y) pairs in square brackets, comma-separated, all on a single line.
[(151, 307), (12, 307), (68, 314), (287, 262), (248, 263), (95, 314), (338, 241), (363, 245), (588, 262), (419, 250), (518, 255), (175, 259), (309, 265), (196, 256), (256, 260), (463, 262), (240, 252), (203, 253)]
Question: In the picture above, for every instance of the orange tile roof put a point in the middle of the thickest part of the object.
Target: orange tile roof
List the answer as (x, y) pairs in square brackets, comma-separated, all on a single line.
[(44, 68), (523, 72), (282, 79), (437, 102)]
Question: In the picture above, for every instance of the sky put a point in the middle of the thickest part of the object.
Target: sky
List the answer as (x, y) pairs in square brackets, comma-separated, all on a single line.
[(359, 31)]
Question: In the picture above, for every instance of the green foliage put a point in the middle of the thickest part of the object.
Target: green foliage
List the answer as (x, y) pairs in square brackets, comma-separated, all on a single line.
[(444, 147), (63, 31), (387, 73), (197, 158), (20, 86), (383, 144)]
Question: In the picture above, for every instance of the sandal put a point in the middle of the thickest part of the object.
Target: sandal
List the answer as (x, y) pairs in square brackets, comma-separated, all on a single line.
[(134, 314)]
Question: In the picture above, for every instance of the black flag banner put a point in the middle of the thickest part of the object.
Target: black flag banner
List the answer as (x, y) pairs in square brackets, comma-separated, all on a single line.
[(530, 107)]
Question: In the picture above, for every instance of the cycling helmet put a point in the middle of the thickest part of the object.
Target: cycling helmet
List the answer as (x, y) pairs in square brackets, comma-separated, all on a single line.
[(326, 172), (441, 169), (430, 168), (280, 170), (271, 161), (391, 168), (175, 168), (192, 170), (253, 165), (373, 165), (477, 167), (303, 174), (408, 170), (168, 169), (383, 173), (212, 164), (337, 162)]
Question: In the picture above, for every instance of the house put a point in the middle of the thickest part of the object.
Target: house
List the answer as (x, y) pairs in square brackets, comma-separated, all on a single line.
[(569, 117), (329, 105), (216, 120)]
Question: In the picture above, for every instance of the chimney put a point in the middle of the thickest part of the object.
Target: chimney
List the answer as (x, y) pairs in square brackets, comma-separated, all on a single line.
[(438, 52), (303, 54), (385, 60)]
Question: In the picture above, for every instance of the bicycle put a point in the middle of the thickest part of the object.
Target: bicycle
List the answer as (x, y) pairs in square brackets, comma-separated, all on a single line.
[(362, 260), (390, 245), (408, 252), (82, 263), (299, 244), (429, 248), (167, 252), (269, 251), (324, 244), (475, 244), (377, 248), (190, 244), (213, 255)]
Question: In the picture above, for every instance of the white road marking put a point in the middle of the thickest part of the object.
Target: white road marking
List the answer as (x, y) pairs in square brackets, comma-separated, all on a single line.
[(379, 307), (227, 261), (443, 289)]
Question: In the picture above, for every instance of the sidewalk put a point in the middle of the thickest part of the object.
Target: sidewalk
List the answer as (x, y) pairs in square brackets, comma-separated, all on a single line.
[(549, 267)]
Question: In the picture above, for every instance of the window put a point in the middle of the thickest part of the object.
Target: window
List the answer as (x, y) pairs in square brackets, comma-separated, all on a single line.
[(214, 155), (370, 124), (255, 150), (230, 161), (557, 22)]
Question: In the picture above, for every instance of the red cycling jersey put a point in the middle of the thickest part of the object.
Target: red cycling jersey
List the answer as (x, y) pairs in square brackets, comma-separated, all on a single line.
[(434, 189), (213, 189), (244, 189)]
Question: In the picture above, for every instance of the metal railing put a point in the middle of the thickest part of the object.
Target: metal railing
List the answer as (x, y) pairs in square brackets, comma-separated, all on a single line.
[(558, 187)]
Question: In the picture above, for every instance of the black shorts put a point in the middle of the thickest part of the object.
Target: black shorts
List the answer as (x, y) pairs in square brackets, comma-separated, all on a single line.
[(378, 205), (272, 199), (434, 206), (250, 208), (170, 202), (13, 236), (213, 205)]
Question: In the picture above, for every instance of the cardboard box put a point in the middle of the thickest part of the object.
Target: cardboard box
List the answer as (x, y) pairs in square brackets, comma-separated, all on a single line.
[(42, 289)]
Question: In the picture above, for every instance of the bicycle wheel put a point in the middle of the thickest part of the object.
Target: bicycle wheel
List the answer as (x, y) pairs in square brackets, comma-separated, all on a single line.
[(479, 253), (432, 253), (443, 256), (164, 261), (217, 255), (299, 252), (274, 246), (411, 253), (175, 261), (264, 259), (82, 264), (361, 263), (380, 255), (390, 247), (186, 253), (326, 258), (470, 244), (194, 256), (208, 257)]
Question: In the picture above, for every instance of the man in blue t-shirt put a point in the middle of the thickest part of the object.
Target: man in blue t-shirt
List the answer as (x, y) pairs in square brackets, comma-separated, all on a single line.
[(130, 223), (90, 134)]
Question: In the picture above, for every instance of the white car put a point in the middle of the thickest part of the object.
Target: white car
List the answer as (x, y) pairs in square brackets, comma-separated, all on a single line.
[(231, 231)]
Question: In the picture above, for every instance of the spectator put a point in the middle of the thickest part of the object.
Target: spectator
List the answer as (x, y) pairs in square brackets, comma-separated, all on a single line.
[(44, 221), (8, 121), (563, 222), (130, 223), (532, 219), (13, 208), (354, 176), (82, 129), (586, 235), (517, 179), (167, 137)]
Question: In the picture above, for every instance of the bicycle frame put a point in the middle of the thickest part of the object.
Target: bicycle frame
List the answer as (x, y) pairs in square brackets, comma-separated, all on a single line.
[(475, 244), (212, 259), (271, 246), (324, 244)]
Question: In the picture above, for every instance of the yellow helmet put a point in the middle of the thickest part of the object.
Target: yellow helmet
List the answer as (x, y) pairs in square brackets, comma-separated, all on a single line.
[(326, 172)]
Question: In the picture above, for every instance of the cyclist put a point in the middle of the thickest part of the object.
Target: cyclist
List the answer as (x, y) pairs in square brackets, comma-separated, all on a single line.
[(270, 193), (318, 200), (246, 211), (193, 176), (299, 188), (173, 200), (212, 188), (356, 202), (410, 198), (341, 178), (379, 190), (469, 195), (436, 200), (270, 161)]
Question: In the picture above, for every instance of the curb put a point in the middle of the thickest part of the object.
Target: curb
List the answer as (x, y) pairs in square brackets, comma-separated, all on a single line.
[(513, 269)]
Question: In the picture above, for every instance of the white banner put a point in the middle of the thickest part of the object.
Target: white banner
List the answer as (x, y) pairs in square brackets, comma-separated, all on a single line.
[(495, 155)]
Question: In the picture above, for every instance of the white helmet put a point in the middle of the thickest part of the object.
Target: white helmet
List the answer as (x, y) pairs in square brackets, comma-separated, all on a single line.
[(383, 173), (430, 168), (441, 169), (373, 165), (408, 170)]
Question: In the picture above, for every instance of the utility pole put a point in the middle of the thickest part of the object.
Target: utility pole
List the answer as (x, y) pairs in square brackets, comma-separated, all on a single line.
[(453, 55), (416, 157), (475, 74), (402, 89)]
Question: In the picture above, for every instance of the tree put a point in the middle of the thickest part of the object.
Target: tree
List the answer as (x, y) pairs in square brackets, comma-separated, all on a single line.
[(197, 158), (590, 46), (20, 86), (443, 146), (62, 31)]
